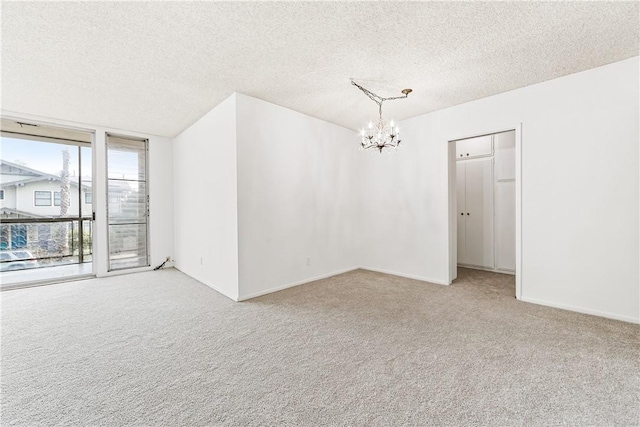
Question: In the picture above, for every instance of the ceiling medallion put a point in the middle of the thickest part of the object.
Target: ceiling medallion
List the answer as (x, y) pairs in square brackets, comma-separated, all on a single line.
[(380, 135)]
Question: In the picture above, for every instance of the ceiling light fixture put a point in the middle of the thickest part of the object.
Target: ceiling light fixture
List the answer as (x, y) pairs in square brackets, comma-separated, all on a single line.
[(381, 134)]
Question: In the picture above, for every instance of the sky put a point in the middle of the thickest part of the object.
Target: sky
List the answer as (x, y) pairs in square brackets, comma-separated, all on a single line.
[(44, 156), (47, 157)]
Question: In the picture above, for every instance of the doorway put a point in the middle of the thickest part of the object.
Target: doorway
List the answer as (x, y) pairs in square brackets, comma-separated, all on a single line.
[(484, 203)]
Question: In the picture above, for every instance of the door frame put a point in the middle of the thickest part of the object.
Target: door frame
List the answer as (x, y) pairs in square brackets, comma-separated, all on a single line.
[(452, 199), (145, 141)]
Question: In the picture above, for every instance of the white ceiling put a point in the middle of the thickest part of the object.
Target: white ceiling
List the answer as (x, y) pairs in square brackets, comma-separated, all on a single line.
[(158, 67)]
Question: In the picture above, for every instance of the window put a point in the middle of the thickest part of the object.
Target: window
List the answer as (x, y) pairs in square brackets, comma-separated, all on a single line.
[(42, 198), (128, 208), (1, 194), (54, 229), (88, 198)]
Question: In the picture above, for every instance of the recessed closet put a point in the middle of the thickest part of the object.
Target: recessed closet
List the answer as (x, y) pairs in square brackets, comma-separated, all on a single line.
[(485, 199)]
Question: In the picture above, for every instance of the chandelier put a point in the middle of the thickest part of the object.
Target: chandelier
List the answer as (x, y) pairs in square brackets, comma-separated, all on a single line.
[(381, 134)]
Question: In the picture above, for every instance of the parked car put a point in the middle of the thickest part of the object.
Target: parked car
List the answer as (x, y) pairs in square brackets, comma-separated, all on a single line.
[(17, 260)]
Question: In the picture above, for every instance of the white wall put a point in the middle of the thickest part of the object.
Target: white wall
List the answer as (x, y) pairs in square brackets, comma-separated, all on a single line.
[(296, 197), (10, 198), (580, 190), (161, 199), (205, 202), (403, 229)]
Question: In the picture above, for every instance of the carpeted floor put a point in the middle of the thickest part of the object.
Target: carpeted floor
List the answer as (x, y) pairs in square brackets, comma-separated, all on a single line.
[(362, 349)]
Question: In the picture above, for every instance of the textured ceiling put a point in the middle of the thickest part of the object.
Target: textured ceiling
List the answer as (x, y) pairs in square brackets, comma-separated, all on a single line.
[(158, 67)]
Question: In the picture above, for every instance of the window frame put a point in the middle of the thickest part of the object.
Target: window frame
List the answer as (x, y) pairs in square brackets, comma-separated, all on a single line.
[(59, 193), (35, 199), (115, 207)]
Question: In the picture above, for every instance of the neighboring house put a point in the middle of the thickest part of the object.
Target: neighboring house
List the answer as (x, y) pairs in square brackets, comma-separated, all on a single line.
[(29, 194)]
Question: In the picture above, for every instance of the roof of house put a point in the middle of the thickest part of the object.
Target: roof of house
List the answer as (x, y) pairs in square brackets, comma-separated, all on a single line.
[(30, 175)]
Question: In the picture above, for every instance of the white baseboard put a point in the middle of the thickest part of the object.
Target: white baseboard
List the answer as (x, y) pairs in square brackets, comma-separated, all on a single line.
[(408, 276), (298, 283), (220, 291), (580, 310), (421, 278), (214, 287)]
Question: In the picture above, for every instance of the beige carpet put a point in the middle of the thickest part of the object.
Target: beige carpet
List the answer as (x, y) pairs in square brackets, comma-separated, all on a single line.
[(362, 349)]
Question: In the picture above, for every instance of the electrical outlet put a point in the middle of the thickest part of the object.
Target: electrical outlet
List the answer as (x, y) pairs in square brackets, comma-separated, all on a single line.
[(308, 261), (200, 260), (167, 259)]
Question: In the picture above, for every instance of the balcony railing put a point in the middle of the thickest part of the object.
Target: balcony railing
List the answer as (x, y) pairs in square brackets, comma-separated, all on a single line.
[(44, 242)]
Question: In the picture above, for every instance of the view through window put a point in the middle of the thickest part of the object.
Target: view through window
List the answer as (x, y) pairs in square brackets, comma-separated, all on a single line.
[(45, 214)]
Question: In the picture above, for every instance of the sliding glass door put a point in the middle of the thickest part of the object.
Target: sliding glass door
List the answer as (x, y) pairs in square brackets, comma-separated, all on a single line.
[(127, 202), (46, 203)]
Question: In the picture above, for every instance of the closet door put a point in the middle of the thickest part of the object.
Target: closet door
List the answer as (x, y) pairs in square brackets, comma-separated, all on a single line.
[(460, 188), (479, 213)]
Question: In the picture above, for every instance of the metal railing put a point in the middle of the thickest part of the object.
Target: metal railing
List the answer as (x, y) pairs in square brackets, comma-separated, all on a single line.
[(44, 242)]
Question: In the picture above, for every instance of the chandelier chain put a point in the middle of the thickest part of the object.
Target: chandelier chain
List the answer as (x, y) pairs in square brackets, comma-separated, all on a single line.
[(377, 98)]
